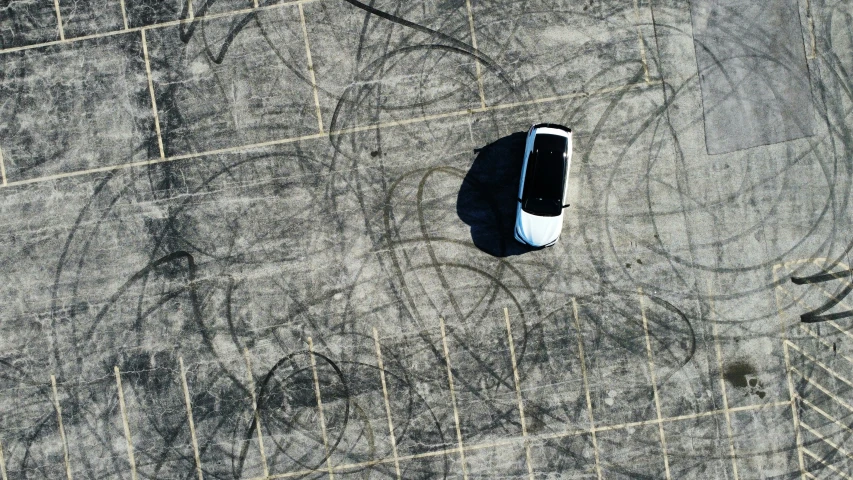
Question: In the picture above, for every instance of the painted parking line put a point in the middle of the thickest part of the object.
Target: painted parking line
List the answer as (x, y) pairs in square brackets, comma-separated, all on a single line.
[(61, 427), (190, 418), (518, 395), (453, 400), (391, 433), (126, 424), (320, 414), (327, 134)]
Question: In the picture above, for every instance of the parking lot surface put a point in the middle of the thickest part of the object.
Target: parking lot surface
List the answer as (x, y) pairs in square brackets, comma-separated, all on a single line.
[(245, 239)]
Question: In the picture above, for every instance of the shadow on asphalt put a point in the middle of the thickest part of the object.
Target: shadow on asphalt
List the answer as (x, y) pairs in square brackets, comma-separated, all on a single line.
[(487, 198)]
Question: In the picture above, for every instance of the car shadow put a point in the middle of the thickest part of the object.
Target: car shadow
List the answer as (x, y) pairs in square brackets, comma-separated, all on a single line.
[(487, 197)]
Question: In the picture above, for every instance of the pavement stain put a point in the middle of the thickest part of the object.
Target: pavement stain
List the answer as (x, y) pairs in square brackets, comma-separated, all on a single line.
[(738, 375)]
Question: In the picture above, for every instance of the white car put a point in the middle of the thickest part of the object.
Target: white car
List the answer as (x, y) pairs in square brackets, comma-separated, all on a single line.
[(542, 192)]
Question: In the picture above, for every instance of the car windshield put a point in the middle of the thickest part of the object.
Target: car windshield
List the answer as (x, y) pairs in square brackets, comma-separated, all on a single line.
[(543, 180)]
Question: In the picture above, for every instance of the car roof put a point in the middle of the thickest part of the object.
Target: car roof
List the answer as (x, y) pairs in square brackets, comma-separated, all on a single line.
[(546, 168), (546, 142)]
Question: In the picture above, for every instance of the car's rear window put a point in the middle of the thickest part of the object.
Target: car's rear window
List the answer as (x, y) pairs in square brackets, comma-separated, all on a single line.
[(543, 180), (552, 143)]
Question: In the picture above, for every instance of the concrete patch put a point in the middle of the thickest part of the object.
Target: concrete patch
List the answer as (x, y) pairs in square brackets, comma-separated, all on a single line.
[(753, 73)]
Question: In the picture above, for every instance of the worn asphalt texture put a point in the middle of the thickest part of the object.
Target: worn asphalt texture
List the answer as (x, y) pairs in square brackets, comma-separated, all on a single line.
[(251, 240)]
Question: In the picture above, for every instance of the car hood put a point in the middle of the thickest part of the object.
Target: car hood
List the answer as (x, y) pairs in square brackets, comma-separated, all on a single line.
[(538, 231)]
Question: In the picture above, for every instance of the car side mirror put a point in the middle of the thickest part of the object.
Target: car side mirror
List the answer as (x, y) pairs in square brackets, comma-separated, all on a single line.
[(566, 206)]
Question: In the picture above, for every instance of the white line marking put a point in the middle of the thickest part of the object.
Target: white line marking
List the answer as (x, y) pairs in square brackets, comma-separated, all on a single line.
[(2, 168), (819, 263), (61, 427), (824, 342), (512, 441), (311, 68), (819, 363), (124, 14), (643, 423), (171, 23), (153, 97), (518, 395), (2, 464), (320, 409), (128, 438), (841, 302), (800, 261), (826, 415), (654, 381), (813, 54), (828, 465), (832, 296), (795, 414), (476, 60), (190, 418), (387, 402), (722, 381), (344, 131), (838, 327), (257, 415), (453, 401), (586, 388), (59, 21), (640, 42), (829, 442), (798, 437), (823, 389)]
